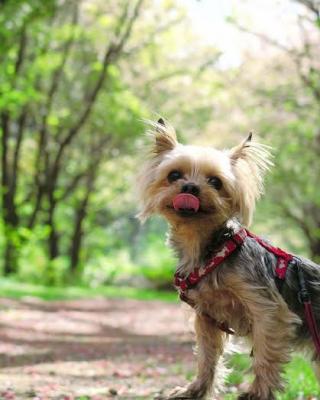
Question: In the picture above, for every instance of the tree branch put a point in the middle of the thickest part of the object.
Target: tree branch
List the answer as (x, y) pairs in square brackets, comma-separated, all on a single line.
[(298, 221), (42, 170), (56, 79), (112, 53), (21, 51), (294, 54), (95, 157), (264, 38), (313, 6)]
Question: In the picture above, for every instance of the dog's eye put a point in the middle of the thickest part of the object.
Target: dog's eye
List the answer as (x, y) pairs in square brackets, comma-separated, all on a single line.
[(215, 182), (174, 176)]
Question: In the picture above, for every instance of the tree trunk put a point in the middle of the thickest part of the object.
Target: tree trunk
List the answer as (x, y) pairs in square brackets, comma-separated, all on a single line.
[(10, 258), (53, 243), (53, 240), (80, 215), (315, 250), (76, 240), (10, 220), (10, 217)]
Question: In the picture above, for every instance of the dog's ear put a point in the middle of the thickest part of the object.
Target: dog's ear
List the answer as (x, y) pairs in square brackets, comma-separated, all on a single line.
[(165, 137), (240, 150), (250, 161)]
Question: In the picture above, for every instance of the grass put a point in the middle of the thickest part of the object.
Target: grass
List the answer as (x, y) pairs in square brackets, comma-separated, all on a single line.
[(301, 381), (14, 289)]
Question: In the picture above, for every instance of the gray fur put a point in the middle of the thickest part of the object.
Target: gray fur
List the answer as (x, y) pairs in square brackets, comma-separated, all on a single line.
[(257, 265)]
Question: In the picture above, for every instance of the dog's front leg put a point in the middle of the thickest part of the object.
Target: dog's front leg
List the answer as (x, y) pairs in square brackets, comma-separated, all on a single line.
[(209, 348), (273, 328)]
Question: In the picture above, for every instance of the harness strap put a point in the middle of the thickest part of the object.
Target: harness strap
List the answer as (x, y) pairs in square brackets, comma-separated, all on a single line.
[(312, 325), (185, 283), (283, 258), (304, 297), (223, 326)]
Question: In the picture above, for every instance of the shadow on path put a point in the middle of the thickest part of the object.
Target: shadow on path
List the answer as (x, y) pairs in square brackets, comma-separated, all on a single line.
[(92, 347)]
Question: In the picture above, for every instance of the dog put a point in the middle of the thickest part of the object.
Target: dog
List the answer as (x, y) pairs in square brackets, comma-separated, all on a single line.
[(208, 197)]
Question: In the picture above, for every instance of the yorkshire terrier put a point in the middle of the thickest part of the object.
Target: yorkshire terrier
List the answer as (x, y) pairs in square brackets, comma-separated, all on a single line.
[(208, 197)]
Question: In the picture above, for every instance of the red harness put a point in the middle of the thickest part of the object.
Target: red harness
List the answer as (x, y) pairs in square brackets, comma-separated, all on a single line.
[(283, 259), (185, 283)]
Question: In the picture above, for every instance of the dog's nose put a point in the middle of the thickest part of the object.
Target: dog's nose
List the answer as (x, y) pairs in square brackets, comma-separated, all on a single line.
[(190, 188)]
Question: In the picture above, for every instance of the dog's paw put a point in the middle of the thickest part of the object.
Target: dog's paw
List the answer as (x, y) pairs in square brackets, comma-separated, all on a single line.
[(247, 396), (252, 396), (180, 393)]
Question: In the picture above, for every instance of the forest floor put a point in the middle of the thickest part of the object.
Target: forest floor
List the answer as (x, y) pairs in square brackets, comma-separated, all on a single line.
[(98, 349), (91, 349)]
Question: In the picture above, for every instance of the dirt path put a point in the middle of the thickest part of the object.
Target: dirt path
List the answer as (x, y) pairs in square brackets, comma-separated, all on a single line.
[(92, 349)]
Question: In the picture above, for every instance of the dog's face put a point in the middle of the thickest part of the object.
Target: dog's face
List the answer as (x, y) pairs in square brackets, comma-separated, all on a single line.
[(192, 184)]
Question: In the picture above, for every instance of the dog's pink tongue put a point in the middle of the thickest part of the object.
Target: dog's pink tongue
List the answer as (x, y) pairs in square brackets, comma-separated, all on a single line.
[(186, 201)]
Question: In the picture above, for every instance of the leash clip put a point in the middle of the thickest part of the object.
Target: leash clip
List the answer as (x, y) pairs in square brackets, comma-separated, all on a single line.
[(303, 294)]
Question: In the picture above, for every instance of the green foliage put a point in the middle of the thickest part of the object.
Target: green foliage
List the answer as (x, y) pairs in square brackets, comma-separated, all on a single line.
[(52, 57), (16, 289), (105, 270), (157, 262), (74, 122), (52, 64), (239, 365), (301, 381)]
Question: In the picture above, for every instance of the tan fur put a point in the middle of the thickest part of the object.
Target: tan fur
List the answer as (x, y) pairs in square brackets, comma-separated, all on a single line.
[(273, 328), (241, 168), (165, 138), (210, 340), (222, 296), (250, 162)]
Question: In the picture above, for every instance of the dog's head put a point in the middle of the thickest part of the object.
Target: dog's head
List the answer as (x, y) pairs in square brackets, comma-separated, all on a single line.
[(191, 184)]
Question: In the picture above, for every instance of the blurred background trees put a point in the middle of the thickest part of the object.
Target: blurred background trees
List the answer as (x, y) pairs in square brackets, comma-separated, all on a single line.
[(286, 110), (77, 78)]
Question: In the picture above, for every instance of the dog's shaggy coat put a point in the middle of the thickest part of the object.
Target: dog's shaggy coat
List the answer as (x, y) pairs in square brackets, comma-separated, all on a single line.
[(242, 291)]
